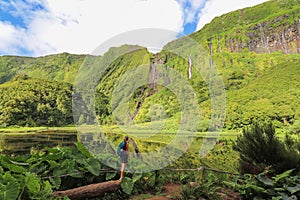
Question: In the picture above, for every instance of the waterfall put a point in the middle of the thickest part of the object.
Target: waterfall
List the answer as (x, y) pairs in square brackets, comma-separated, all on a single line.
[(190, 67)]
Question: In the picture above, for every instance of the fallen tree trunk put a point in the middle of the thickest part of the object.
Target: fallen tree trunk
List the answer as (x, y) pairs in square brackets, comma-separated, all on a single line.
[(88, 191)]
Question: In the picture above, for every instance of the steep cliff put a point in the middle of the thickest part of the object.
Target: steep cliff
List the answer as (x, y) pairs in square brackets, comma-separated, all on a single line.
[(265, 28)]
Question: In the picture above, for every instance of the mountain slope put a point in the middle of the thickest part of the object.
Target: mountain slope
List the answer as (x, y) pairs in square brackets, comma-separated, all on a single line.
[(59, 67), (268, 27), (252, 54), (274, 95), (247, 46)]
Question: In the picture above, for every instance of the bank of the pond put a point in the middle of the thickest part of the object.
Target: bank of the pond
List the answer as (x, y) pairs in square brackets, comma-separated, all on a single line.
[(24, 140), (23, 130)]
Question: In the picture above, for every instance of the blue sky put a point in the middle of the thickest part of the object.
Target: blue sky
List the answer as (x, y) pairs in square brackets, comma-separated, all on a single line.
[(9, 13), (41, 27)]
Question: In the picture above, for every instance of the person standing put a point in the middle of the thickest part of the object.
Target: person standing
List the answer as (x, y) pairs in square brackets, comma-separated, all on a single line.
[(124, 154)]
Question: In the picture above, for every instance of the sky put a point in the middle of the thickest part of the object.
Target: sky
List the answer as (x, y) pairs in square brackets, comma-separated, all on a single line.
[(42, 27)]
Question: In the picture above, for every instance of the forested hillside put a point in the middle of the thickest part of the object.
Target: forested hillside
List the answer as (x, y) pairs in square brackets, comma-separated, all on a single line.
[(59, 67), (35, 102), (255, 51), (268, 27)]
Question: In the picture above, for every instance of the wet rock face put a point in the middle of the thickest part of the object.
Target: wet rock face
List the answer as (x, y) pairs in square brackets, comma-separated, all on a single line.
[(269, 38), (277, 34)]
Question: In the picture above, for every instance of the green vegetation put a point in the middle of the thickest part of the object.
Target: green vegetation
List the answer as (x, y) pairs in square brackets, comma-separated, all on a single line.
[(282, 186), (269, 96), (257, 86), (24, 130), (260, 148), (241, 30), (260, 80), (64, 168), (35, 102), (59, 67), (36, 176), (270, 167)]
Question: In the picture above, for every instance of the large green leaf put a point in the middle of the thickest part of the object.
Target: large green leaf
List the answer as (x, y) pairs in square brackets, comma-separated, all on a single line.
[(127, 185), (55, 181), (110, 176), (9, 187), (53, 164), (257, 189), (294, 189), (283, 175), (93, 166), (46, 191), (136, 177), (68, 165), (283, 195), (151, 180), (293, 197), (12, 167), (77, 174), (265, 180), (33, 183), (59, 172), (42, 169), (36, 166), (81, 161), (83, 149)]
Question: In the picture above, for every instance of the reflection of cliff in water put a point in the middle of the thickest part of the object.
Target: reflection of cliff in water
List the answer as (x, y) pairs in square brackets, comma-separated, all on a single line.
[(23, 143)]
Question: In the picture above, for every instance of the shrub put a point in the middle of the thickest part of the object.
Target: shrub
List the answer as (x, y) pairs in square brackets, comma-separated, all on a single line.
[(259, 147)]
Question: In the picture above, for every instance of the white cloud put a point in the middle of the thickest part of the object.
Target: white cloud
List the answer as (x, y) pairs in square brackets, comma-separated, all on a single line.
[(79, 26), (190, 11), (10, 38), (214, 8)]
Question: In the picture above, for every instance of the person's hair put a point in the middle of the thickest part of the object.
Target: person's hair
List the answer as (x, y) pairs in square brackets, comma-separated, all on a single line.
[(126, 138)]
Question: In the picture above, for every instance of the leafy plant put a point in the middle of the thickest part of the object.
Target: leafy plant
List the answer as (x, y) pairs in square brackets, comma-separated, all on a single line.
[(208, 188), (10, 188), (36, 176), (259, 146), (261, 186)]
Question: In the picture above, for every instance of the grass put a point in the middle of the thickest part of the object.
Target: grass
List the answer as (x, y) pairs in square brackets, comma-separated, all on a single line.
[(24, 130)]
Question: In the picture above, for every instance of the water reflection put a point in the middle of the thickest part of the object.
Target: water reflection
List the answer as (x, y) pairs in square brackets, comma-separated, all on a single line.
[(23, 143)]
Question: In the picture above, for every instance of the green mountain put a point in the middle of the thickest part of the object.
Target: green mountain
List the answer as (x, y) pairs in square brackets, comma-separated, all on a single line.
[(268, 27), (59, 67), (250, 57)]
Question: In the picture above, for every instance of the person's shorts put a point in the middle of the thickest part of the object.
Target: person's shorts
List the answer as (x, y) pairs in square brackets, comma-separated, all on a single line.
[(124, 157)]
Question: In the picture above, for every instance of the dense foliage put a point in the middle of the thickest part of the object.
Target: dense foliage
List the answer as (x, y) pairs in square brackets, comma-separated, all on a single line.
[(260, 147), (36, 176), (35, 102), (59, 67), (258, 85), (282, 186)]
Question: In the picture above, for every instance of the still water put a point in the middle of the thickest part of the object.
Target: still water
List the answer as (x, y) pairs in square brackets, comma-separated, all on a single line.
[(24, 143)]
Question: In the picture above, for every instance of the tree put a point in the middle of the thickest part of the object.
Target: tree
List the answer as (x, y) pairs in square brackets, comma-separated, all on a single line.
[(259, 146), (35, 102), (102, 106)]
